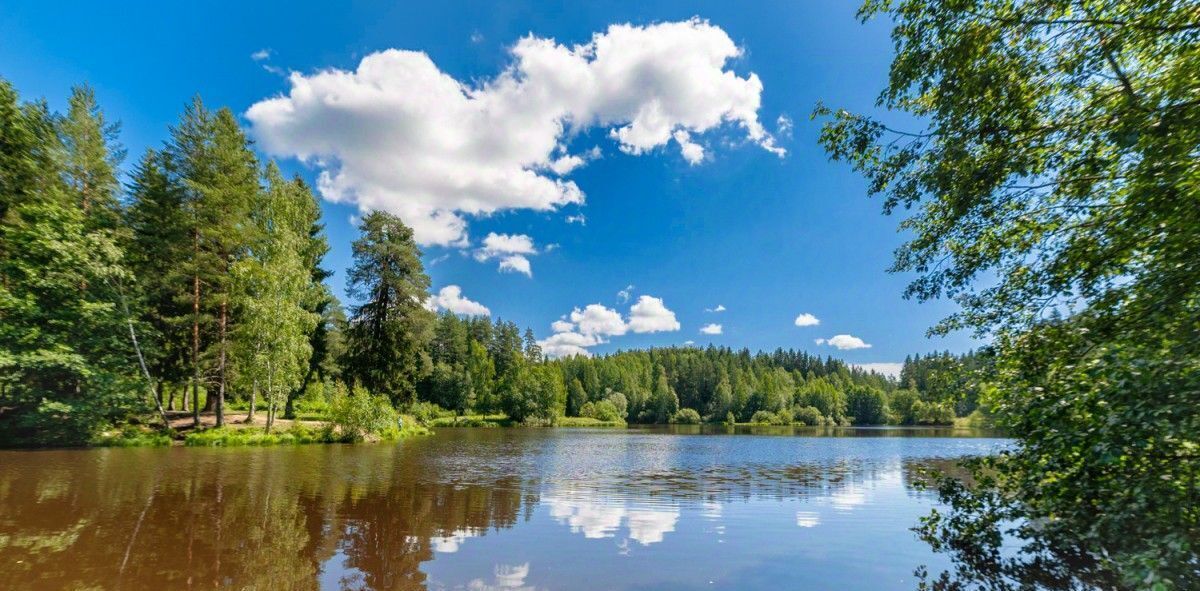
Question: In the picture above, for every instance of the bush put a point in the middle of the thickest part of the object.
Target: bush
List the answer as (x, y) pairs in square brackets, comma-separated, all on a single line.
[(783, 417), (131, 436), (809, 416), (604, 410), (763, 417), (427, 412), (358, 414), (932, 413), (686, 416)]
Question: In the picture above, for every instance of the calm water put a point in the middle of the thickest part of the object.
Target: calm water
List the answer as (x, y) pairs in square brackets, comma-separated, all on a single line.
[(480, 509)]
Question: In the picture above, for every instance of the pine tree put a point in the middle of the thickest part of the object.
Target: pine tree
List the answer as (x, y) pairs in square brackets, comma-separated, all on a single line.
[(220, 175), (388, 333)]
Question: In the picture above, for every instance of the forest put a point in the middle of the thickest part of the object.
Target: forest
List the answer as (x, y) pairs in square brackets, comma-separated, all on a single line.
[(196, 288)]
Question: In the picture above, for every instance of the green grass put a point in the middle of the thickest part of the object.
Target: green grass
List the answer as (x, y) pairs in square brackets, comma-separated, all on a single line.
[(131, 436), (586, 422), (295, 435), (472, 421)]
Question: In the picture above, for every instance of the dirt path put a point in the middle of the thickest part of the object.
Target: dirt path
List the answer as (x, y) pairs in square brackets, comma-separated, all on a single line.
[(182, 421)]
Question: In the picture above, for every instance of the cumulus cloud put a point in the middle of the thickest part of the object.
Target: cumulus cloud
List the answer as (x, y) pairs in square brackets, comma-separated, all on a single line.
[(889, 369), (568, 344), (719, 308), (711, 329), (261, 55), (594, 324), (807, 319), (649, 314), (399, 134), (598, 320), (577, 219), (513, 250), (451, 298), (844, 342), (516, 263)]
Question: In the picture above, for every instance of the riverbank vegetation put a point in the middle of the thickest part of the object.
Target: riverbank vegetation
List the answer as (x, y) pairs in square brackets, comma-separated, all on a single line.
[(1052, 189)]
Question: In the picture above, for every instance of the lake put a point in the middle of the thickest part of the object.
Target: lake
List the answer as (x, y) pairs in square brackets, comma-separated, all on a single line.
[(483, 509)]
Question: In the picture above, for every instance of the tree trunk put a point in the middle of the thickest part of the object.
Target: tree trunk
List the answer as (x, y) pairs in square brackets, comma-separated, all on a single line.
[(270, 399), (289, 408), (195, 333), (253, 402), (170, 397), (221, 364)]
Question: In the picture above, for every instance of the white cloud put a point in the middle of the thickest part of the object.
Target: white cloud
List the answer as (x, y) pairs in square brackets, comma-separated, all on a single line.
[(807, 319), (476, 37), (451, 298), (892, 370), (399, 134), (577, 219), (719, 308), (689, 343), (567, 344), (649, 314), (844, 342), (595, 323), (516, 263), (711, 329), (511, 249), (624, 295), (783, 126), (595, 319), (500, 244), (691, 151), (261, 55)]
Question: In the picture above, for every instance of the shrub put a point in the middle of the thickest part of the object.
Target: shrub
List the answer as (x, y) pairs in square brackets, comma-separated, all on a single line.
[(604, 410), (809, 416), (932, 413), (783, 417), (426, 412), (763, 417), (619, 402), (358, 414), (686, 416)]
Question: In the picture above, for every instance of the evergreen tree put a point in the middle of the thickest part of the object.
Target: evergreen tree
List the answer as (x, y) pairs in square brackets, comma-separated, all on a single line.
[(388, 333), (156, 246)]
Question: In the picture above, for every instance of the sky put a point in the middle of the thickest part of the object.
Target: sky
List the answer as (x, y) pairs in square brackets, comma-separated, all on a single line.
[(612, 175)]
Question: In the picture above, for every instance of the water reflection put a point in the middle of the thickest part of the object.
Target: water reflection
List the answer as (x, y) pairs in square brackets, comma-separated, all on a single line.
[(470, 509)]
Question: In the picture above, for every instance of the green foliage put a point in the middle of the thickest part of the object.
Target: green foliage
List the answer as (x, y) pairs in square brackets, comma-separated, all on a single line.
[(866, 405), (809, 416), (64, 357), (1056, 175), (764, 417), (389, 332), (686, 416), (604, 410), (131, 436), (235, 437), (357, 414), (427, 412)]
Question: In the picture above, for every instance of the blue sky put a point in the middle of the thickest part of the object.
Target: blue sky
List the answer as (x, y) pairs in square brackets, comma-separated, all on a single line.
[(767, 237)]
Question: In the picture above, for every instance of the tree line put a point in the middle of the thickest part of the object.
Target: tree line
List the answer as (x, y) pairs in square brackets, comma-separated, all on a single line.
[(199, 284)]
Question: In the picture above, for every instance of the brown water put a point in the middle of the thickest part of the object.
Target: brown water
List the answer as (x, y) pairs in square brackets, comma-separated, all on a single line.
[(480, 509)]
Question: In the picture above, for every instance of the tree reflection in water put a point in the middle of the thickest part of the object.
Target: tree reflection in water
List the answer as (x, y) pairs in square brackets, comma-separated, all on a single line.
[(370, 517)]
